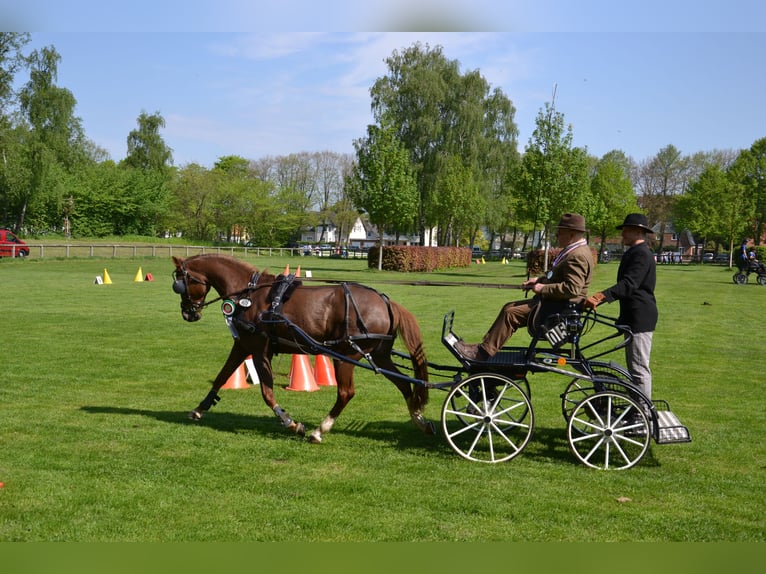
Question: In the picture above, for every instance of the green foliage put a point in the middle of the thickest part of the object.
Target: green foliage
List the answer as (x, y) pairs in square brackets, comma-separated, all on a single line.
[(146, 148), (612, 196), (554, 175), (384, 185)]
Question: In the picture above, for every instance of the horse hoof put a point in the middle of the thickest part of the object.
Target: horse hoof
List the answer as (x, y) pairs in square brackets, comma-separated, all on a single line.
[(315, 438), (300, 430), (195, 415), (429, 428)]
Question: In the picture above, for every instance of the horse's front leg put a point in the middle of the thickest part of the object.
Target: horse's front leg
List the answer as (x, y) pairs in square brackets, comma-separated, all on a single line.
[(344, 375), (237, 356)]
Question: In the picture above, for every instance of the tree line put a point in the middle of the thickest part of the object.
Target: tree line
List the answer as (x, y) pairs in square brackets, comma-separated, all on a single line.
[(442, 158)]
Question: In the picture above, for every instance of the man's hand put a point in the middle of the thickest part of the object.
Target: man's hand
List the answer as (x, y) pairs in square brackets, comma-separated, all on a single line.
[(594, 300)]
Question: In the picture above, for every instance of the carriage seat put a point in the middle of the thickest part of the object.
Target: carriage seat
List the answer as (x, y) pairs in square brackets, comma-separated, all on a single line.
[(557, 325)]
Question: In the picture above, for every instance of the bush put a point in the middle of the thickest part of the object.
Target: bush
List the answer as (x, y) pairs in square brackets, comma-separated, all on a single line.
[(417, 258)]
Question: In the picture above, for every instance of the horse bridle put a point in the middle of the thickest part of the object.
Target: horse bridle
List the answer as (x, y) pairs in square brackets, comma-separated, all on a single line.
[(181, 286)]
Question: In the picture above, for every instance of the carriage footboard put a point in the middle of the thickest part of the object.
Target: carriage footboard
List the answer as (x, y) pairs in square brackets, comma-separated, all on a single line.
[(669, 427)]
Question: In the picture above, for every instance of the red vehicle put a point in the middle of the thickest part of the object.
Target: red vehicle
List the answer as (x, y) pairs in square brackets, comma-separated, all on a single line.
[(12, 246)]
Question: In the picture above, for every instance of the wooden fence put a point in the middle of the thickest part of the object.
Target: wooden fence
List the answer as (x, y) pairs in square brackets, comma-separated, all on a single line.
[(147, 250)]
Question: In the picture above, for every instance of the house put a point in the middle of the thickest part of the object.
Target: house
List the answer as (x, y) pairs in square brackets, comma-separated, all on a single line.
[(362, 234)]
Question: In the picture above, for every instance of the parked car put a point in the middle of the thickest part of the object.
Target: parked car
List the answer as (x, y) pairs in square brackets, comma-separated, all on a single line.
[(12, 246), (708, 257), (721, 258)]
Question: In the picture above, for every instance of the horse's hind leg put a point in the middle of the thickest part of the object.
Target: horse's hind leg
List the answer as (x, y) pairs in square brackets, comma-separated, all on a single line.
[(344, 376), (415, 397), (266, 377)]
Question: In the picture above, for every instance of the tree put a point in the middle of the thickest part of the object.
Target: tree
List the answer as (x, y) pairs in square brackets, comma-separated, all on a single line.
[(749, 171), (146, 148), (660, 181), (612, 195), (383, 183), (55, 137), (441, 115), (554, 175)]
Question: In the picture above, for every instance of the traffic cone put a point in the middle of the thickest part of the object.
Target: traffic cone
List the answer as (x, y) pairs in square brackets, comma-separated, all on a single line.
[(107, 279), (238, 379), (149, 277), (298, 271), (286, 272), (324, 371), (139, 276), (482, 260), (301, 375)]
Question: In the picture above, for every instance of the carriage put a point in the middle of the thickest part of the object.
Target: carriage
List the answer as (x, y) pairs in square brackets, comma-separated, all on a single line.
[(752, 266), (487, 415)]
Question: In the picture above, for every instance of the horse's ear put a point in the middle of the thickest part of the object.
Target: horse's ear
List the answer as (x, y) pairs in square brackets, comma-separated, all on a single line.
[(178, 261)]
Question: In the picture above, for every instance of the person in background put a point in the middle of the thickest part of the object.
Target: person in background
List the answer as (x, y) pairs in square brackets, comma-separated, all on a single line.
[(636, 281), (566, 282)]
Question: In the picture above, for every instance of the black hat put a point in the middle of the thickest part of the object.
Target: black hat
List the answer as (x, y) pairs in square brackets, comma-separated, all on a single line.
[(572, 221), (636, 220)]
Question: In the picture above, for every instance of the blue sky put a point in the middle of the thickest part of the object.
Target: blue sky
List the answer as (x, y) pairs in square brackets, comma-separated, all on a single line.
[(235, 77)]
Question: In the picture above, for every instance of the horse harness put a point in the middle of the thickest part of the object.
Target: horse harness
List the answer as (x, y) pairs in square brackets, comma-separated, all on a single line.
[(235, 306)]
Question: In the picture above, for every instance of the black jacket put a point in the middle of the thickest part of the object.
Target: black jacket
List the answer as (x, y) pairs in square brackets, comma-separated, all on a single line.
[(636, 280)]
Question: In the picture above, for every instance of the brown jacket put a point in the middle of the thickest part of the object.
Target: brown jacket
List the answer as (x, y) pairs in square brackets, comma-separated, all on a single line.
[(568, 283)]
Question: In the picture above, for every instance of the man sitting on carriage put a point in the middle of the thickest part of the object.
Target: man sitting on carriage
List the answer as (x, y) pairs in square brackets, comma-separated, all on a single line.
[(566, 283)]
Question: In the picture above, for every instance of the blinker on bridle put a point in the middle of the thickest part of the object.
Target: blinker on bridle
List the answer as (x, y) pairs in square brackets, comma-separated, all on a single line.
[(181, 287)]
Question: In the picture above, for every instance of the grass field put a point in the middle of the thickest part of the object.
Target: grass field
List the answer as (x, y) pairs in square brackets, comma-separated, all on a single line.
[(95, 444)]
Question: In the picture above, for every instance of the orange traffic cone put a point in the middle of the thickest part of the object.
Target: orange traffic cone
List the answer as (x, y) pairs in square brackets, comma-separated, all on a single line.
[(324, 371), (238, 379), (298, 271), (286, 272), (301, 375)]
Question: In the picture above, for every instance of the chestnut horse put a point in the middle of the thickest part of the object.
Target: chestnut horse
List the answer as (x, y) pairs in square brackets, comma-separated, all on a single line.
[(270, 314)]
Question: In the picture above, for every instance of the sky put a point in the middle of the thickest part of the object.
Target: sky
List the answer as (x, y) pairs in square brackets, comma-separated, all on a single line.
[(256, 79)]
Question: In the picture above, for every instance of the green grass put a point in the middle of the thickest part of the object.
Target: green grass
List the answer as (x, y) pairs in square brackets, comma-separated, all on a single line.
[(95, 444)]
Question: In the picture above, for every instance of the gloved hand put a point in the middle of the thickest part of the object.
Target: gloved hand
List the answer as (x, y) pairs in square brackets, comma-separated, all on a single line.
[(594, 300)]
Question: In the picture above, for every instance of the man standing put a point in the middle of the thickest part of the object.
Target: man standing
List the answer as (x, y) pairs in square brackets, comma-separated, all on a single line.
[(567, 282), (636, 280)]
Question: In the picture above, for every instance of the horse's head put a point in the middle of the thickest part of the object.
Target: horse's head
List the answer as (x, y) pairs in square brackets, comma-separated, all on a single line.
[(192, 288)]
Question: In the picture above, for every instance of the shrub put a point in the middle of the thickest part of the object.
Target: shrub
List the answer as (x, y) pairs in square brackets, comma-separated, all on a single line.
[(416, 258)]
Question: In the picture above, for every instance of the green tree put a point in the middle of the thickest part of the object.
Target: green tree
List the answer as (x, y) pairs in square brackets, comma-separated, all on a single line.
[(56, 139), (749, 171), (383, 183), (612, 195), (554, 174), (660, 181), (146, 148)]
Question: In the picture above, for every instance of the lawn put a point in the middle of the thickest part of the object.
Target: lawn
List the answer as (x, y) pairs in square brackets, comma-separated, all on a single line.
[(95, 445)]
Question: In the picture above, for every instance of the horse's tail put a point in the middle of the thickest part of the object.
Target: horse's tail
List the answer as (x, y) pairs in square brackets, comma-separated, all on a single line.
[(406, 325)]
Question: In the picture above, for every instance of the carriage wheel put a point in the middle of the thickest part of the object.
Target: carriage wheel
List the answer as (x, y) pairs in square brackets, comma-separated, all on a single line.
[(740, 278), (608, 430), (578, 389), (762, 280), (456, 403), (487, 418)]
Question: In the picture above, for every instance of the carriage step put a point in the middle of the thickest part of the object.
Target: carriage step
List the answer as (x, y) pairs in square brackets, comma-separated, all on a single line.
[(670, 429)]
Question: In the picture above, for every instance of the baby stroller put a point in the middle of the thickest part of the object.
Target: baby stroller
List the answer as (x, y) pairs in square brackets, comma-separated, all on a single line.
[(753, 266)]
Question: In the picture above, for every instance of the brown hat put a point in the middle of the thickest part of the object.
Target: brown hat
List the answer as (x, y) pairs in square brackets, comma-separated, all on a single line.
[(636, 220), (572, 221)]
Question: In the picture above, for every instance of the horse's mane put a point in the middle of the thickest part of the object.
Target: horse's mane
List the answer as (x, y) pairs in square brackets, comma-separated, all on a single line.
[(233, 262)]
